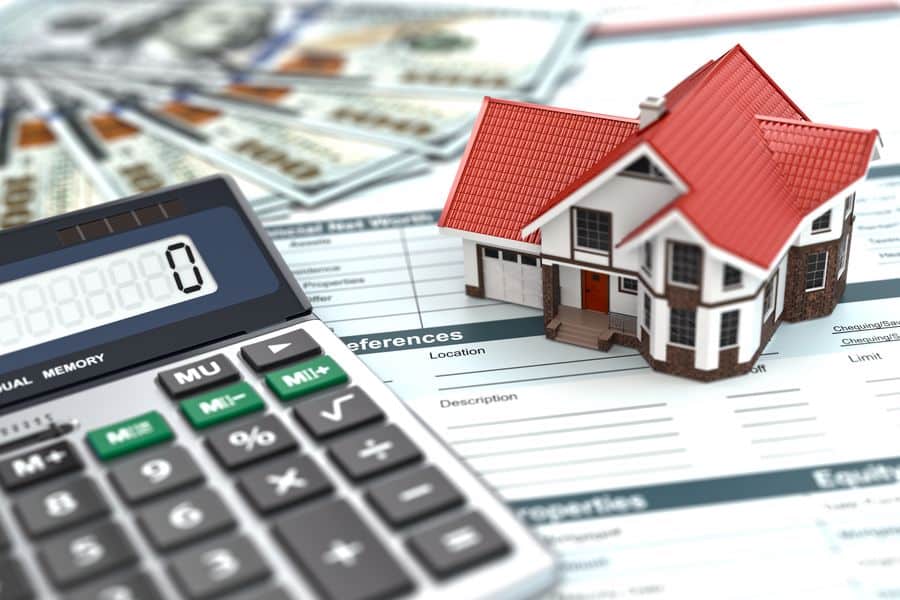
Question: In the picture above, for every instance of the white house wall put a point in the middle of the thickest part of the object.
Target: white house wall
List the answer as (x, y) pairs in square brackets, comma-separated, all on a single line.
[(621, 302), (570, 286), (470, 262)]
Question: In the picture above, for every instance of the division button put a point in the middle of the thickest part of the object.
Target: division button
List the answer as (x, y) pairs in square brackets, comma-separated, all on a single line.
[(218, 568), (222, 405), (337, 412), (154, 474), (128, 586), (458, 544), (414, 496), (86, 554), (281, 350), (37, 465), (130, 435), (340, 554), (52, 509), (373, 451), (282, 482), (250, 440), (185, 518), (200, 375), (13, 582), (305, 378)]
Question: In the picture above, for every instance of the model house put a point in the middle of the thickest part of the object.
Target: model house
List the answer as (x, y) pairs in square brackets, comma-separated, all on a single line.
[(689, 233)]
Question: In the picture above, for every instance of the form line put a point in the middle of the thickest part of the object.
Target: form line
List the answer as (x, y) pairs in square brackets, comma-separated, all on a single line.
[(462, 387), (568, 430), (764, 393), (635, 438), (770, 407), (560, 416)]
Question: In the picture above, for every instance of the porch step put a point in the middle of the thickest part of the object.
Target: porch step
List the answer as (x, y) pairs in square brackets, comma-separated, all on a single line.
[(577, 336)]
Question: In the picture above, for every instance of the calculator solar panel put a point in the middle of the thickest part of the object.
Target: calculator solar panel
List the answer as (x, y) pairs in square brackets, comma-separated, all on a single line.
[(175, 422)]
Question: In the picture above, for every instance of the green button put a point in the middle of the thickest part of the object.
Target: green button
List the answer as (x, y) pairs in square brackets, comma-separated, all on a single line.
[(221, 405), (129, 435), (306, 378)]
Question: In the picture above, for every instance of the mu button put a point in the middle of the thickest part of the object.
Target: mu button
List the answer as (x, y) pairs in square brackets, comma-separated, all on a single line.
[(281, 350), (199, 375)]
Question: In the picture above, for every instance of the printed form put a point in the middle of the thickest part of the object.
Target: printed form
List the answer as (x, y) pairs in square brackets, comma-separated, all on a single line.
[(781, 483)]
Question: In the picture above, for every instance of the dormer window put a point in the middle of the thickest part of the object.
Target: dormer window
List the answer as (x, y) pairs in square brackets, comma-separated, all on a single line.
[(592, 230), (642, 167), (822, 223), (731, 278)]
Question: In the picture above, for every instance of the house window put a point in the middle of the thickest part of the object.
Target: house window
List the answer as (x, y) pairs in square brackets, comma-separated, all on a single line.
[(815, 270), (628, 285), (685, 264), (849, 201), (642, 167), (822, 223), (682, 323), (769, 295), (647, 311), (728, 330), (510, 256), (842, 253), (648, 256), (592, 229), (732, 277), (492, 253)]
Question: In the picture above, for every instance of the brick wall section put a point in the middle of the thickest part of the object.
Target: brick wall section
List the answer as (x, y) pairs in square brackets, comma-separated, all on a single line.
[(682, 297), (475, 291), (550, 291)]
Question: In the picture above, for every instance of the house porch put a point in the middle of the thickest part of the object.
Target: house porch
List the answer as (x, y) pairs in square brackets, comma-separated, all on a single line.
[(592, 329)]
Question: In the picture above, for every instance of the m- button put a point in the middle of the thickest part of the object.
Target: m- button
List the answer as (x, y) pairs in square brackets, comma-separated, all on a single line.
[(200, 375)]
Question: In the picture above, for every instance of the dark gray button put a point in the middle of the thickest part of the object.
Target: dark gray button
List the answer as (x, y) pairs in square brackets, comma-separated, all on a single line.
[(457, 544), (277, 351), (127, 586), (197, 376), (184, 518), (4, 537), (86, 554), (337, 412), (282, 482), (340, 554), (155, 473), (37, 465), (218, 568), (13, 582), (413, 496), (269, 593), (374, 451), (249, 441), (52, 509)]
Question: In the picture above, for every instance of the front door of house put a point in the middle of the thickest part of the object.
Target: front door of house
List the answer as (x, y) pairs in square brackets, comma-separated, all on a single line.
[(594, 291)]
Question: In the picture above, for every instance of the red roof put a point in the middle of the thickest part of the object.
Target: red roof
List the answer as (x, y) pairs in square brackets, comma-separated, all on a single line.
[(746, 152), (519, 156)]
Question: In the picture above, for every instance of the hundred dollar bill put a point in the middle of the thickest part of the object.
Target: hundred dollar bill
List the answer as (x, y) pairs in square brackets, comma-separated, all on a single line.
[(38, 176), (386, 44), (306, 165)]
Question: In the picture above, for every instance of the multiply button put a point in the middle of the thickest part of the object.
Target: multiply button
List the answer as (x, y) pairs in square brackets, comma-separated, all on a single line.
[(58, 507), (154, 474), (282, 482), (374, 451), (458, 544), (414, 496), (249, 441), (340, 554), (305, 378), (337, 412), (200, 375), (277, 351), (37, 465)]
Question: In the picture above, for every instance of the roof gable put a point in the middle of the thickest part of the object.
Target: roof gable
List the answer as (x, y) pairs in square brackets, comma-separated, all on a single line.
[(520, 155)]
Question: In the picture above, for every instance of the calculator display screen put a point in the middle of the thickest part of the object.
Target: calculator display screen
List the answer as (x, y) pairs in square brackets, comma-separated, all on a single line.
[(102, 290)]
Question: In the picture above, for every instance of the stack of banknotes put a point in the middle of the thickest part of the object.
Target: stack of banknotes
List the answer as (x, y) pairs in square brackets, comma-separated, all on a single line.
[(302, 102)]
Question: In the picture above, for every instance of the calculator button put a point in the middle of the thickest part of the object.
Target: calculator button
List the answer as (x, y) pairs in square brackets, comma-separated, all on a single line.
[(128, 586), (185, 518), (284, 481), (200, 375), (340, 554), (277, 351), (218, 568), (222, 405), (458, 544), (250, 441), (153, 474), (56, 508), (130, 435), (337, 412), (373, 451), (413, 496), (37, 465), (305, 378), (4, 538), (87, 554), (13, 583), (266, 594)]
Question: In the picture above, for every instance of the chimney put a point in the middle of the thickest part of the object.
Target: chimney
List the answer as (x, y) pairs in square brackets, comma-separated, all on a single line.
[(651, 109)]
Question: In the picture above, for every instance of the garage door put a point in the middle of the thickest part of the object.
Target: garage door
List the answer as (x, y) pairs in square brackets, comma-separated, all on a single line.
[(512, 277)]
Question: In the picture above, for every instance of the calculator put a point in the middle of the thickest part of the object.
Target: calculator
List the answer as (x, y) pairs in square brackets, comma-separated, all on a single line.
[(177, 423)]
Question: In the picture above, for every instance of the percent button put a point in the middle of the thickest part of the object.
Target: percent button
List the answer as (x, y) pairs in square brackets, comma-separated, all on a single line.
[(249, 441)]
